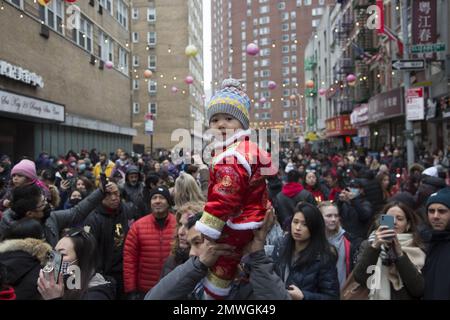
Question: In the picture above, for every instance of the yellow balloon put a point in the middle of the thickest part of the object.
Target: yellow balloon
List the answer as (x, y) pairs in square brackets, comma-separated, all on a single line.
[(44, 2), (191, 50)]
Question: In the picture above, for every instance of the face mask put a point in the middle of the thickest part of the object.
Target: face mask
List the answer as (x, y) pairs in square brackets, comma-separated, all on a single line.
[(313, 165), (75, 201), (82, 167), (65, 265), (355, 192)]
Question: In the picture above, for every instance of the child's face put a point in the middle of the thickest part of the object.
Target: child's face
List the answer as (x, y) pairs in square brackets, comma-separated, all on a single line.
[(224, 122)]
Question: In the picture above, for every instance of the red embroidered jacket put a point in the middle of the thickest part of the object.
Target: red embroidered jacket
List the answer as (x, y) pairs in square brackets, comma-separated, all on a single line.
[(237, 193)]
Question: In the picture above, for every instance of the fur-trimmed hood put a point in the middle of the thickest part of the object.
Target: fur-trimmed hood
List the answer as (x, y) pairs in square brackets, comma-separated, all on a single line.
[(35, 247)]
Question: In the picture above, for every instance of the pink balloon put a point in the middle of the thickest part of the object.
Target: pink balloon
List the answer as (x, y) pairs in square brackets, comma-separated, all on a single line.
[(109, 65), (189, 80), (272, 85), (252, 49), (351, 78), (322, 91), (174, 89), (262, 100)]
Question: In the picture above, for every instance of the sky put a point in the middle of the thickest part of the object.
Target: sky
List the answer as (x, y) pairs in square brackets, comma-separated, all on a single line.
[(207, 67)]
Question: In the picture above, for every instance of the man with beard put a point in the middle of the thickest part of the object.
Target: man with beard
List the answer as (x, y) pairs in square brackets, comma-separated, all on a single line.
[(147, 245), (132, 189), (29, 202)]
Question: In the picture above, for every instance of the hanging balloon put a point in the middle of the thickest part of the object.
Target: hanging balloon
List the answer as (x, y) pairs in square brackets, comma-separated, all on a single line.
[(252, 49), (109, 65), (71, 1), (263, 100), (322, 91), (44, 2), (148, 74), (174, 89), (309, 84), (189, 80), (191, 50), (352, 84), (292, 97), (272, 85), (351, 78)]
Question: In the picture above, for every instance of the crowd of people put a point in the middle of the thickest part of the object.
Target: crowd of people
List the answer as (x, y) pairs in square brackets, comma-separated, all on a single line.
[(158, 229)]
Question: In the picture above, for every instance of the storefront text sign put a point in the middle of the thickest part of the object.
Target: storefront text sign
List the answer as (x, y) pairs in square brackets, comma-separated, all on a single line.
[(386, 105), (340, 126), (31, 107), (17, 73)]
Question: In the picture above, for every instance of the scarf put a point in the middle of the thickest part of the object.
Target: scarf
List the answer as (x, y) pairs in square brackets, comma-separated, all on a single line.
[(388, 275), (337, 240)]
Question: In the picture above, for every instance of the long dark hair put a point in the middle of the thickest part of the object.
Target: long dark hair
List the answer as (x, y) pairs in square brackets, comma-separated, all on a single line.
[(85, 247), (413, 219), (318, 246)]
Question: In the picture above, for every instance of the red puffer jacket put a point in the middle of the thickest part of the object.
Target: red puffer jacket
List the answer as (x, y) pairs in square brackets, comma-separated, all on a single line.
[(146, 248)]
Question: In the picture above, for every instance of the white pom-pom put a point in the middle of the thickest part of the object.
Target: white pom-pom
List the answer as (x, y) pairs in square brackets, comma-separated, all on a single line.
[(231, 83)]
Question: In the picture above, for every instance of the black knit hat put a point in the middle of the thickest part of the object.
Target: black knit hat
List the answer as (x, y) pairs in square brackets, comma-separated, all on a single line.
[(162, 191), (442, 197)]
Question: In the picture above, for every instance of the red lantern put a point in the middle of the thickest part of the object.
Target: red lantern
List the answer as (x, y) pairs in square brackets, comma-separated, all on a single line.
[(310, 84), (348, 139)]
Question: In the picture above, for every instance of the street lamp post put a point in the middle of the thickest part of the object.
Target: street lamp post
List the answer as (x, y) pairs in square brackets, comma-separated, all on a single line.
[(406, 84)]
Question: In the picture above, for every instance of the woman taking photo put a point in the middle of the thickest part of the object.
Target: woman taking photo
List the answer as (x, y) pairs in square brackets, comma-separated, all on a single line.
[(79, 249), (304, 259), (398, 256)]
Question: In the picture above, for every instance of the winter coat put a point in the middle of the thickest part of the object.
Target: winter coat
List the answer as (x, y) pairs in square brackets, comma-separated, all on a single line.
[(110, 229), (237, 193), (100, 289), (98, 169), (23, 259), (291, 194), (184, 282), (131, 193), (373, 194), (413, 281), (437, 266), (356, 216), (59, 220), (317, 281), (319, 192), (147, 246)]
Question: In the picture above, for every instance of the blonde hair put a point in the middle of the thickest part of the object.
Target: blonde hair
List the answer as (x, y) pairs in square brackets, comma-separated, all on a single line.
[(325, 204), (193, 207), (186, 190)]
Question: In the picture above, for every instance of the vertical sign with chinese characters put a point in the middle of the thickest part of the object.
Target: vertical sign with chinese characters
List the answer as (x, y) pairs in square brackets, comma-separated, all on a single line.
[(149, 124), (415, 104), (424, 30)]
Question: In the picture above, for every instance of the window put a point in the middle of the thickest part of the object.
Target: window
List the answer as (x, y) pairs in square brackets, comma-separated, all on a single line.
[(286, 80), (265, 73), (281, 5), (299, 3), (264, 41), (286, 60), (152, 108), (264, 9), (106, 48), (264, 83), (293, 59), (17, 3), (135, 61), (285, 71), (317, 11), (267, 105), (135, 84), (294, 69), (266, 94), (255, 22), (264, 20), (293, 14), (151, 38), (243, 25), (136, 108), (293, 36), (286, 114), (135, 37), (152, 62), (151, 14), (255, 63), (284, 16), (152, 87), (307, 2), (135, 13), (285, 27), (265, 63), (265, 116), (53, 15), (286, 103), (255, 74), (294, 113), (286, 93), (293, 26), (255, 33), (123, 60), (285, 37), (294, 80), (107, 4), (315, 23), (285, 49), (256, 114), (293, 48), (122, 13), (243, 35), (83, 36), (321, 2), (264, 31), (265, 52)]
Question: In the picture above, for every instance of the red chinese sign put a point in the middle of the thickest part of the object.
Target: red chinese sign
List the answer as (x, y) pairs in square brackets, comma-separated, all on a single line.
[(340, 126), (424, 30)]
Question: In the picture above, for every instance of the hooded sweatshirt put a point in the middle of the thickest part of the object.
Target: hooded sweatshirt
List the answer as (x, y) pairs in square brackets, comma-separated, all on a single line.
[(338, 241)]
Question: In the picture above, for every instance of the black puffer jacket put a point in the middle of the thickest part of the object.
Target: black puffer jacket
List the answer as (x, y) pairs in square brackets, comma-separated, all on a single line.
[(23, 259), (356, 216), (134, 193), (318, 281)]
